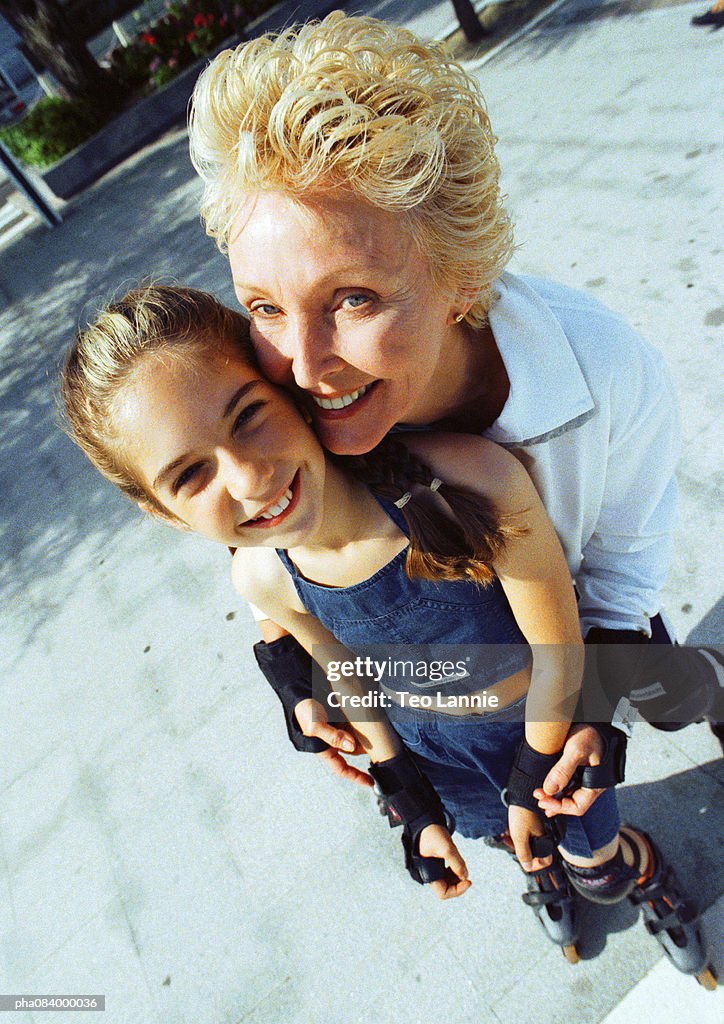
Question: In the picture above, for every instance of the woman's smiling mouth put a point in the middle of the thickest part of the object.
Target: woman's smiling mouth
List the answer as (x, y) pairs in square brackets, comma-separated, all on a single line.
[(337, 406)]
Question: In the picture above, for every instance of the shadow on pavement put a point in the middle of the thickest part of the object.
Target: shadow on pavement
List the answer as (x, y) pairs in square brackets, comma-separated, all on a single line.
[(139, 222), (684, 814)]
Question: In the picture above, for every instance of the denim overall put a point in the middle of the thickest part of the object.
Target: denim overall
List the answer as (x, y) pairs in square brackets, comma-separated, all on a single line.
[(466, 757)]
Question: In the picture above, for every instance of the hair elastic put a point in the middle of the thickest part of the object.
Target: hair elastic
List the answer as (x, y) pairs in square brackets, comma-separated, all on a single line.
[(435, 483), (459, 319)]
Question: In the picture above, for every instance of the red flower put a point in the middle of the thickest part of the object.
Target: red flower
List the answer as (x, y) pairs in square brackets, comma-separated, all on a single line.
[(200, 21), (190, 37), (149, 39)]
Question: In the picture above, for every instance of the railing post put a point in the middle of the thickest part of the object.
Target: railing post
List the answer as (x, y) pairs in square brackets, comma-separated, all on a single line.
[(20, 179)]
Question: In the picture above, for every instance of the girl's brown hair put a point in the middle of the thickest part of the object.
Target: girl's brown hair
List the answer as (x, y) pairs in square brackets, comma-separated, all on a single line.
[(464, 545)]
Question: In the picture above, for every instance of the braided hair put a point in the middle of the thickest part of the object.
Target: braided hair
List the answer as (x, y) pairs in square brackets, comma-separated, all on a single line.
[(462, 543)]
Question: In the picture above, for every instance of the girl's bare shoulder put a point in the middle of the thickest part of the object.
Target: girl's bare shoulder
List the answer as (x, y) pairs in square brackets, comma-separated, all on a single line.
[(472, 461), (259, 576)]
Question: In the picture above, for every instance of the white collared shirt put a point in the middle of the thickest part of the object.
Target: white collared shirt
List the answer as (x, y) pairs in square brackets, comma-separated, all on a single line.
[(593, 416)]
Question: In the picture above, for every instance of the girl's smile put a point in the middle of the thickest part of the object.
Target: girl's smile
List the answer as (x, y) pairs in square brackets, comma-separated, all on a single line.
[(278, 510)]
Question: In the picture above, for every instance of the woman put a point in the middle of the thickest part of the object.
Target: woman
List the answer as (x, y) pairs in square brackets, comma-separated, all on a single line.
[(349, 172)]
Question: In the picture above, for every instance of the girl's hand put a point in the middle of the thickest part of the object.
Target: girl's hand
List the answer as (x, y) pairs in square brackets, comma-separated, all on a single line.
[(435, 841), (522, 824), (312, 719)]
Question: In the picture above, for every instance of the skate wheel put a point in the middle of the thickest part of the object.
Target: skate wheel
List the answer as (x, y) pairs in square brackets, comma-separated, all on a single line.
[(571, 955), (707, 979)]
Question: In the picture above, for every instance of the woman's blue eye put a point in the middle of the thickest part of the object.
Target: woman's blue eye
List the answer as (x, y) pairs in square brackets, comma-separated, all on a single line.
[(265, 308), (247, 414), (355, 301)]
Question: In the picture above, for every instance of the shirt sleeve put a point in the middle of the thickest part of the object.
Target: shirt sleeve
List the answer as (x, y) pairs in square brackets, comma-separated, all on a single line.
[(627, 557)]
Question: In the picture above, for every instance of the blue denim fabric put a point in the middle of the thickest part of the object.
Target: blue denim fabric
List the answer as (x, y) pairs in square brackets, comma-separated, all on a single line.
[(391, 610), (468, 758)]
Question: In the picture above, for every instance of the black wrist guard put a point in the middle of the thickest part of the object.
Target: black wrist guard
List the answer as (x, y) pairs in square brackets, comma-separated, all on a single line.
[(413, 803), (613, 761), (527, 773), (288, 668)]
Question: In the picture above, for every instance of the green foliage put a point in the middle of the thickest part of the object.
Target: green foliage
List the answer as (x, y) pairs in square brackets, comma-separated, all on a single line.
[(129, 67), (50, 130), (189, 29)]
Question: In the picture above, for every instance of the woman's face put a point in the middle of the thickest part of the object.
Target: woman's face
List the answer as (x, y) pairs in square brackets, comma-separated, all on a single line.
[(224, 451), (343, 305)]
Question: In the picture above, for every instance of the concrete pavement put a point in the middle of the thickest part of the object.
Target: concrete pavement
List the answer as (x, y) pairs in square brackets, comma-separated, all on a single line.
[(159, 840)]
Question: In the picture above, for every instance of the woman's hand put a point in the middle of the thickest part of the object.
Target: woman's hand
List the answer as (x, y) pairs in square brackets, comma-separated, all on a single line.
[(312, 719), (435, 841), (522, 824)]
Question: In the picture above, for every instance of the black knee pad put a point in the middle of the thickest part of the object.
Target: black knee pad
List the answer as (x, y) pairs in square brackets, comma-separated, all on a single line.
[(669, 685), (679, 685)]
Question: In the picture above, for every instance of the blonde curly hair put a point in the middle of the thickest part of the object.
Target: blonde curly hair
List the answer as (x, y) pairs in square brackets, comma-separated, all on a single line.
[(357, 105)]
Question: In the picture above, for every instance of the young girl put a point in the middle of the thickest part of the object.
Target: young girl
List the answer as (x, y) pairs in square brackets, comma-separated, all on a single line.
[(410, 544)]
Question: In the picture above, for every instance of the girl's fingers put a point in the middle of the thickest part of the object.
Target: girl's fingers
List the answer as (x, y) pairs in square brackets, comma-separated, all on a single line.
[(522, 852), (337, 764), (312, 720), (340, 739), (447, 890), (455, 862), (577, 804)]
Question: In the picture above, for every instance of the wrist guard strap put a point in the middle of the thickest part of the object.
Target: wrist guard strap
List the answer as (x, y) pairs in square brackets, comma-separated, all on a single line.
[(288, 668), (413, 803), (612, 768)]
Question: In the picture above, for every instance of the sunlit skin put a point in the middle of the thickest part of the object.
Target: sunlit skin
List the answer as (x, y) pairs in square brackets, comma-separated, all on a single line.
[(219, 446), (229, 456), (340, 301)]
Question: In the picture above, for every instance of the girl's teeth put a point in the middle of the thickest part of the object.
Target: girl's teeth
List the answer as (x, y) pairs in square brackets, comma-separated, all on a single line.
[(341, 401), (276, 510)]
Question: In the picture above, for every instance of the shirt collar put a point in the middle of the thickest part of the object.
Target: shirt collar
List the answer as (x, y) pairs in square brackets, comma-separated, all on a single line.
[(548, 392)]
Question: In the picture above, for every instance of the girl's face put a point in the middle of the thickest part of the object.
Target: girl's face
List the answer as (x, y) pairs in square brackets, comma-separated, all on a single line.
[(222, 449), (343, 305)]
